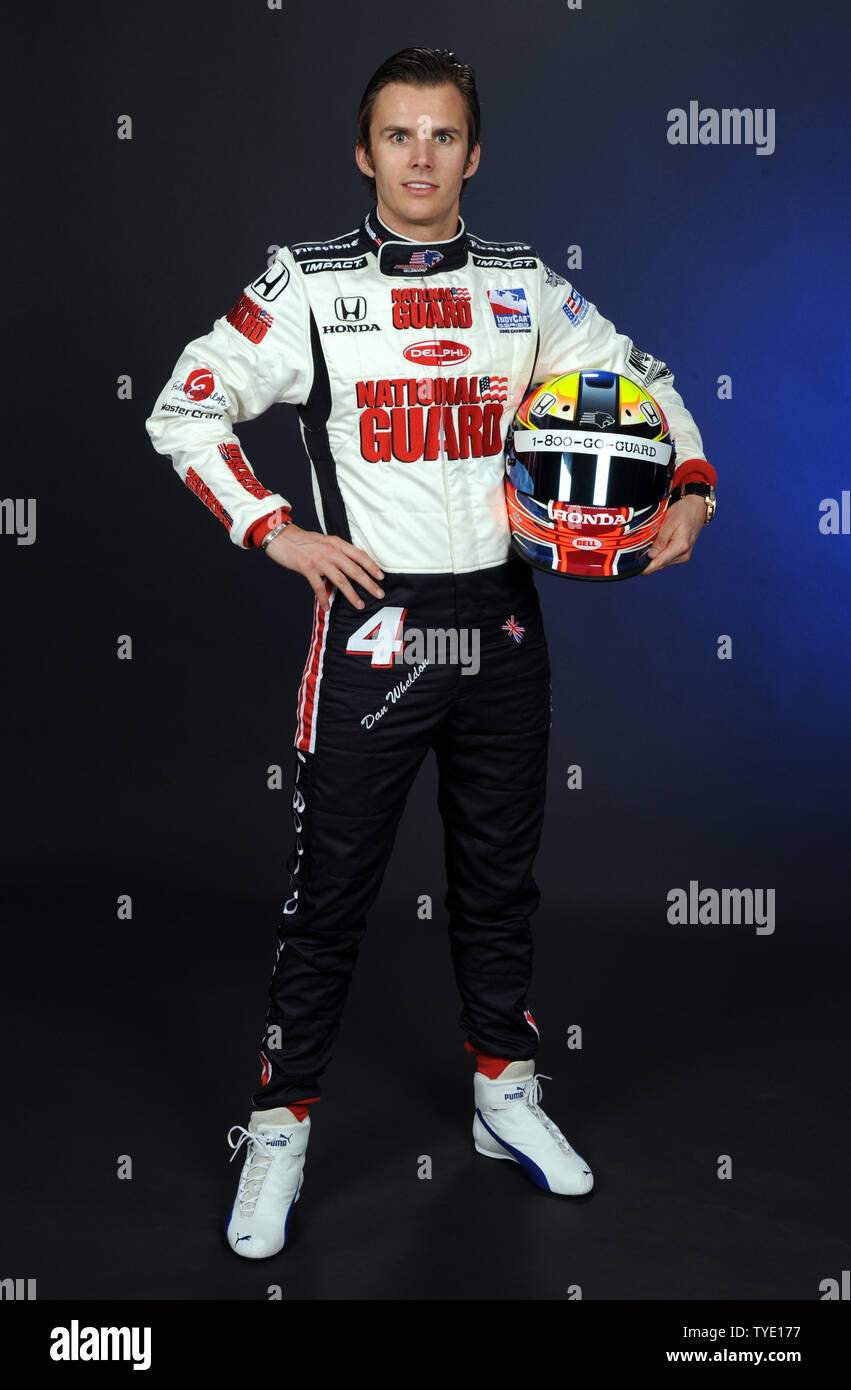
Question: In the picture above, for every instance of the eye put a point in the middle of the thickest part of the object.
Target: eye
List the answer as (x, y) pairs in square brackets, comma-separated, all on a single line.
[(398, 133)]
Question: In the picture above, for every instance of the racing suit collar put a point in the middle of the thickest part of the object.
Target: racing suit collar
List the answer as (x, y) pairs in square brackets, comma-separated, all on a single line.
[(403, 256)]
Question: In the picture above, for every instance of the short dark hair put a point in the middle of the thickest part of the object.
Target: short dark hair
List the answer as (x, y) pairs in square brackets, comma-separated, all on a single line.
[(421, 67)]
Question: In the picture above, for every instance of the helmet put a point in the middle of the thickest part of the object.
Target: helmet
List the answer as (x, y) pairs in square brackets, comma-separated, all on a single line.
[(589, 463)]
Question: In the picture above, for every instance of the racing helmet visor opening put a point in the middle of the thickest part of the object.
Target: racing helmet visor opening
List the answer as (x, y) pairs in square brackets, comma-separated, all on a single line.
[(621, 471)]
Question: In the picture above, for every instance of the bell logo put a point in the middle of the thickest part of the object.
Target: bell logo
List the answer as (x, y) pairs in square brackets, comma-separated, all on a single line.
[(436, 352), (587, 543)]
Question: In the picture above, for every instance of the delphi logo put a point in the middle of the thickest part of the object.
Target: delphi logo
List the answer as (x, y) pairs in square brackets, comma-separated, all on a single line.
[(435, 352)]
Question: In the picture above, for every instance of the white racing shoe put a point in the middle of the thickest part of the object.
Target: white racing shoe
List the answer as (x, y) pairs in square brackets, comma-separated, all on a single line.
[(509, 1123), (269, 1186)]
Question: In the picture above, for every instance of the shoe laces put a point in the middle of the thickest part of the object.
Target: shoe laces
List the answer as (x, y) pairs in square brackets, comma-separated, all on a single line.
[(257, 1163), (533, 1095)]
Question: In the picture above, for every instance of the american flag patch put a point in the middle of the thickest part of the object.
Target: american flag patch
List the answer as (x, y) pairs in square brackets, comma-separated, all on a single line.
[(575, 306), (513, 628), (493, 388)]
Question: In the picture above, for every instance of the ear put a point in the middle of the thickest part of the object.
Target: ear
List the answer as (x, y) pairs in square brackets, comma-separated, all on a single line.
[(473, 161), (363, 161)]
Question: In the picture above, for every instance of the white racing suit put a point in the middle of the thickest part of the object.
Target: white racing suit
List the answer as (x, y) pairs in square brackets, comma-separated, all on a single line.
[(406, 361)]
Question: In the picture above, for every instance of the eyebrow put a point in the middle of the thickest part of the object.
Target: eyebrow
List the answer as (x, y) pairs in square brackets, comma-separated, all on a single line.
[(406, 129)]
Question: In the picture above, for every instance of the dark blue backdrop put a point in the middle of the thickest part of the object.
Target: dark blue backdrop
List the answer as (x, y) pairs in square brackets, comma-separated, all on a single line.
[(147, 777)]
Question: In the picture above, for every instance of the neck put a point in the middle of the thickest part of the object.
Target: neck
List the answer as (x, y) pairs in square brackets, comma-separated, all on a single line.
[(438, 229)]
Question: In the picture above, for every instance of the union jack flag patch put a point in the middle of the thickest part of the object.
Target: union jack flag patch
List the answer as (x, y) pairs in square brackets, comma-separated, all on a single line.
[(513, 628)]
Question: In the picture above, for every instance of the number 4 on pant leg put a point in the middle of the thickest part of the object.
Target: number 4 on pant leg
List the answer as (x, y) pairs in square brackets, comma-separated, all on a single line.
[(380, 636)]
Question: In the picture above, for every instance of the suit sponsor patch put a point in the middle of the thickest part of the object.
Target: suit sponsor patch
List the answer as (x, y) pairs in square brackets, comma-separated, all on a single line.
[(575, 306), (510, 310)]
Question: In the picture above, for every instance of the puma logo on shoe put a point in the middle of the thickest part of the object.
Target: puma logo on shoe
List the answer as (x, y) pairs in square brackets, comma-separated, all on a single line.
[(279, 1143), (239, 1238), (514, 1095)]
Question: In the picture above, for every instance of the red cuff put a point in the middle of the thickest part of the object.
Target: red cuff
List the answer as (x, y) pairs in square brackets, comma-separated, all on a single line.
[(258, 529), (694, 471)]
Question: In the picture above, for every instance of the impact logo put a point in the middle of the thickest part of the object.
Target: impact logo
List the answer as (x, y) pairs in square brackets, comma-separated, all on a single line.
[(510, 310), (420, 262), (249, 319), (575, 306)]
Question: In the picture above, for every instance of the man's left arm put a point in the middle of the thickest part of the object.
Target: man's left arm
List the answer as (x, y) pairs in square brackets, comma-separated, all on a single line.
[(574, 336)]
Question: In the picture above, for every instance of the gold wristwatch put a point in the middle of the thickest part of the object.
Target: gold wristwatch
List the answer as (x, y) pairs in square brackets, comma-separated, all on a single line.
[(703, 490)]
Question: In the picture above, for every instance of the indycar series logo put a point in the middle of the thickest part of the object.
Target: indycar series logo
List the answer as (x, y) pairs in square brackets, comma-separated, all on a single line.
[(410, 420), (510, 310)]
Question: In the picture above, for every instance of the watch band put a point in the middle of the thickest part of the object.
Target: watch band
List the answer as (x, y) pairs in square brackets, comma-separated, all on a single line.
[(704, 490)]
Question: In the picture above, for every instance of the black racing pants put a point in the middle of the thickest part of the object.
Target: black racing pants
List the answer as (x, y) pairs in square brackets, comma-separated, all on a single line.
[(367, 716)]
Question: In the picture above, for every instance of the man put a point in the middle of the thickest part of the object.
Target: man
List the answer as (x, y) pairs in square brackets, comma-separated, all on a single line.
[(392, 342)]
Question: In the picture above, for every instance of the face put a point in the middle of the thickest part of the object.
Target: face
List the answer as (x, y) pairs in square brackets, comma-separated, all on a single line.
[(419, 161)]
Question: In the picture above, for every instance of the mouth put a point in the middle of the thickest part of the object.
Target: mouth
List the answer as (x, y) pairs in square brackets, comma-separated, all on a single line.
[(416, 186)]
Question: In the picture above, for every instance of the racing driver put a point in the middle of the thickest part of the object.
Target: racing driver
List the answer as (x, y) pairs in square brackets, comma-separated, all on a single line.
[(406, 345)]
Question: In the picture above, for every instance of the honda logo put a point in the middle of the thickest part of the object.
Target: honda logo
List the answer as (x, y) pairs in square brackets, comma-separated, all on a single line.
[(351, 306), (269, 286)]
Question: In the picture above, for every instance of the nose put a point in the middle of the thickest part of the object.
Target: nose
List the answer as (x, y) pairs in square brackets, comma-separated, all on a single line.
[(421, 156)]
